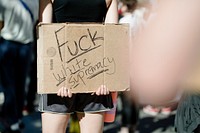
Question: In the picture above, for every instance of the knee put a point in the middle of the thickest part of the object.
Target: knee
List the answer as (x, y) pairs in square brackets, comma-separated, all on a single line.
[(54, 123)]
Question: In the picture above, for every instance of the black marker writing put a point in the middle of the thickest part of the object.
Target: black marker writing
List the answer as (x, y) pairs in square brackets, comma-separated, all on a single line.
[(80, 46), (81, 70), (76, 71), (58, 43), (94, 38)]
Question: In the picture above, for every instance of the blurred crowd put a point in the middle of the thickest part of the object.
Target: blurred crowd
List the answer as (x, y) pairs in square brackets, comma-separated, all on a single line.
[(18, 64), (18, 71)]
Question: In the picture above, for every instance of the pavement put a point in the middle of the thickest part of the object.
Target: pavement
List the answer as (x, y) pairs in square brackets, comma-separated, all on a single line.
[(156, 124), (32, 123)]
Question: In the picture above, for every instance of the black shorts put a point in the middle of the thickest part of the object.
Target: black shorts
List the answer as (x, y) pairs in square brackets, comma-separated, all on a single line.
[(83, 102)]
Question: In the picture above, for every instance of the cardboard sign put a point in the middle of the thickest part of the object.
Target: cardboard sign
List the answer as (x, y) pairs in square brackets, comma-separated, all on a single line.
[(82, 57)]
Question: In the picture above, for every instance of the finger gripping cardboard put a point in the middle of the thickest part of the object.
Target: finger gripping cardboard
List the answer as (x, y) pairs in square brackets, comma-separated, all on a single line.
[(82, 57)]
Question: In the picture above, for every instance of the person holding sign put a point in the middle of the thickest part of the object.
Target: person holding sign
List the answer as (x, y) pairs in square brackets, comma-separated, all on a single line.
[(90, 107)]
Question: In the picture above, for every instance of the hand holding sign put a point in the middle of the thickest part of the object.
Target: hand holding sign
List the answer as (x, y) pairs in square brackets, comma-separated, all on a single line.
[(64, 92), (102, 90)]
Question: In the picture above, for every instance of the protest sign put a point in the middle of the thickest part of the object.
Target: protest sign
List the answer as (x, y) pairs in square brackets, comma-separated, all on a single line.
[(82, 57)]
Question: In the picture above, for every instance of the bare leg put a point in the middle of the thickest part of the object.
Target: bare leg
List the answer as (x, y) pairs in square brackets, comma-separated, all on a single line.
[(91, 122), (54, 123)]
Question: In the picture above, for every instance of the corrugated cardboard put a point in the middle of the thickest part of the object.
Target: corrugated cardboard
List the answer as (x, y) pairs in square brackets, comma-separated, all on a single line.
[(82, 57)]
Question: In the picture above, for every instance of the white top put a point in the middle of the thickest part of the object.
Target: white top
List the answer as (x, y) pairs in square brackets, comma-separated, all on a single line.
[(18, 25)]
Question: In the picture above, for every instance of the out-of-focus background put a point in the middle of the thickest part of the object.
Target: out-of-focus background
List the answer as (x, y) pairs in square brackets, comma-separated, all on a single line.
[(130, 117)]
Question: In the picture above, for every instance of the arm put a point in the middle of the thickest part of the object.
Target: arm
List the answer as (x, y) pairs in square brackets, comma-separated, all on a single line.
[(46, 15), (46, 11), (112, 13), (111, 17)]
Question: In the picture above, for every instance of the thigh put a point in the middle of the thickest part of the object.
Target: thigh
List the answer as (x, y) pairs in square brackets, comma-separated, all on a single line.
[(54, 123), (91, 122)]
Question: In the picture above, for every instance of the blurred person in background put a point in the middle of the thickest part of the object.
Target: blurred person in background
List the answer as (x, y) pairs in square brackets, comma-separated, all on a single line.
[(145, 11), (129, 107), (187, 118), (31, 90), (164, 55), (123, 8), (16, 37)]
